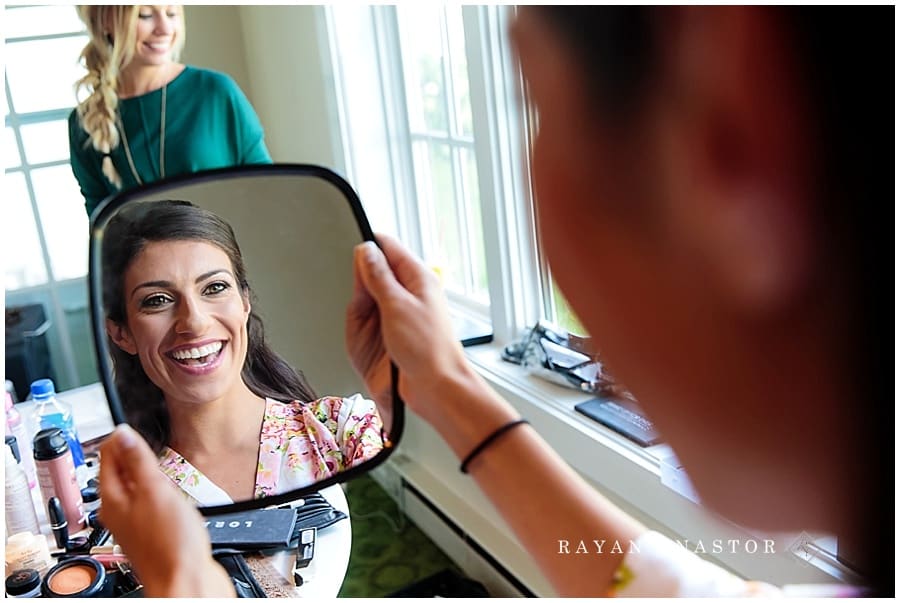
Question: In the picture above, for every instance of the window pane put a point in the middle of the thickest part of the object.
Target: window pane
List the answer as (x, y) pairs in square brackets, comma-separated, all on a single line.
[(437, 212), (21, 247), (42, 73), (423, 66), (64, 220), (10, 150), (478, 265), (565, 317), (47, 141), (457, 43), (41, 20)]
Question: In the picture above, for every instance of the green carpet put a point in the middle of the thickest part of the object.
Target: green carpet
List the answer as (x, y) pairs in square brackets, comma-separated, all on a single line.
[(388, 552)]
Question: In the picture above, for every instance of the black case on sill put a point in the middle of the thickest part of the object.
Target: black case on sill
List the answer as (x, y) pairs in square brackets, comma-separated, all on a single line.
[(622, 417)]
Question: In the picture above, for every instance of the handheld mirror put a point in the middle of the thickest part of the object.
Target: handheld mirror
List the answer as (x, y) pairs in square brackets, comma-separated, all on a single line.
[(218, 304)]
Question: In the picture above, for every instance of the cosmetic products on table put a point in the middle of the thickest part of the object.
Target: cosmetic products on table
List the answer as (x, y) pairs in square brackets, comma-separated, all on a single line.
[(80, 568), (56, 545)]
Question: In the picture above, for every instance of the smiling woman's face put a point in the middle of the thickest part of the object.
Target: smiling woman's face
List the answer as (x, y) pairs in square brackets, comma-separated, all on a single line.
[(158, 31), (186, 319)]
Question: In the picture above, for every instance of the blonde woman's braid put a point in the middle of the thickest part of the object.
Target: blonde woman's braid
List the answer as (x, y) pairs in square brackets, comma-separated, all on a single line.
[(98, 111), (103, 59)]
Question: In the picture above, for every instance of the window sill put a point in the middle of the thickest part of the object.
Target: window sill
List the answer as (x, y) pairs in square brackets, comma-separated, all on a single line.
[(632, 478), (557, 403)]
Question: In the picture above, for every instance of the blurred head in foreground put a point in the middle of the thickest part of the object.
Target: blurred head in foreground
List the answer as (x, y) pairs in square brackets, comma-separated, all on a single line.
[(715, 197)]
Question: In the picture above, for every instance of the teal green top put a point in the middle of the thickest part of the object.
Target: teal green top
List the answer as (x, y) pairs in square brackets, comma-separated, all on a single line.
[(209, 124)]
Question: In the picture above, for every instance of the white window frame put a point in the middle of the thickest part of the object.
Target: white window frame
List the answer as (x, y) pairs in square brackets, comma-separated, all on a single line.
[(514, 284), (52, 286), (500, 141)]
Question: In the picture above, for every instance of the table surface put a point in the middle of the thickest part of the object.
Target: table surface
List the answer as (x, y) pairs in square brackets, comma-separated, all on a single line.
[(324, 576)]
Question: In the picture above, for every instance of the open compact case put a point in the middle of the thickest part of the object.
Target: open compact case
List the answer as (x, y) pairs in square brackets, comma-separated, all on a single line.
[(91, 576), (83, 563)]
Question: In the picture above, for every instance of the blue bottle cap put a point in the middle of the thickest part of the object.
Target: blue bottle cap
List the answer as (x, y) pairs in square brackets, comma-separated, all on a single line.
[(42, 388)]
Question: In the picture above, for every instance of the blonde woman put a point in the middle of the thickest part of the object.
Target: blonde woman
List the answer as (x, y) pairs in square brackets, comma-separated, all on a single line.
[(144, 115)]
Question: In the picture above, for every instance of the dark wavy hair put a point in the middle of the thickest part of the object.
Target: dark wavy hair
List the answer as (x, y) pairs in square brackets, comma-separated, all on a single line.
[(847, 59), (265, 372)]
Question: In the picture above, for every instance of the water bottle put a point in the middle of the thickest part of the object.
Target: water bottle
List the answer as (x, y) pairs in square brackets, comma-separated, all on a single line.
[(15, 426), (50, 411)]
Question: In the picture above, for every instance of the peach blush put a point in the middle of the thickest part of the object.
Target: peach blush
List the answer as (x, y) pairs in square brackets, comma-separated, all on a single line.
[(72, 579)]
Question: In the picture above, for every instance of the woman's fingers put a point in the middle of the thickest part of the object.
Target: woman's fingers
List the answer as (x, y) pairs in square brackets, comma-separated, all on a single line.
[(126, 461), (378, 276), (163, 535)]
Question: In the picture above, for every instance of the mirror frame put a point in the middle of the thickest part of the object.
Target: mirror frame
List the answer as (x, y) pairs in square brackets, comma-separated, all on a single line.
[(98, 221)]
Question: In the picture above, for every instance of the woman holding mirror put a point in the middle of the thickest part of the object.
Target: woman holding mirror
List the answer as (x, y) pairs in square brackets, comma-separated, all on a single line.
[(229, 419), (147, 116), (729, 170)]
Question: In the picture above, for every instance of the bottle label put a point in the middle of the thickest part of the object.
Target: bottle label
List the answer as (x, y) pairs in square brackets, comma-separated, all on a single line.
[(36, 557), (57, 478), (45, 480), (20, 513)]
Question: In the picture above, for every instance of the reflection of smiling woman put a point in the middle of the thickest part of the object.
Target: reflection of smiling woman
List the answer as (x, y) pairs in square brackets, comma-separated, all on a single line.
[(194, 371)]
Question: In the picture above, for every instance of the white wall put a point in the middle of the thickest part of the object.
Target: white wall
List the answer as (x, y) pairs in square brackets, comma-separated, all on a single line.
[(215, 40), (292, 90), (278, 56)]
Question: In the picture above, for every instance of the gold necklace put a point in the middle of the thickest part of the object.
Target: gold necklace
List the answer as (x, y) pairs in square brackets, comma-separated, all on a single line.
[(162, 140)]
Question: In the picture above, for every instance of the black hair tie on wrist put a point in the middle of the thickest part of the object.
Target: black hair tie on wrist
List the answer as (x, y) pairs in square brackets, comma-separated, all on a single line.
[(464, 467)]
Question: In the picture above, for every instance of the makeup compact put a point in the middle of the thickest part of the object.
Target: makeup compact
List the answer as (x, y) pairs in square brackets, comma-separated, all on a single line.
[(23, 583), (77, 577)]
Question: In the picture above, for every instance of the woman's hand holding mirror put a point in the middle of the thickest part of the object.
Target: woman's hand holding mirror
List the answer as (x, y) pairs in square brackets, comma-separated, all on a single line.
[(399, 312)]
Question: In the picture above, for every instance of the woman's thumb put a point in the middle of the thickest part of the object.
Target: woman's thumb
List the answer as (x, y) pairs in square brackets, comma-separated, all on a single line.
[(376, 273), (132, 454)]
